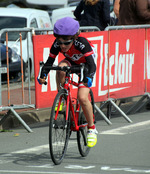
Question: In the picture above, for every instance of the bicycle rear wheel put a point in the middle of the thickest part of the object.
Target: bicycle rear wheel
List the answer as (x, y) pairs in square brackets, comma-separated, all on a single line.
[(59, 128), (82, 133)]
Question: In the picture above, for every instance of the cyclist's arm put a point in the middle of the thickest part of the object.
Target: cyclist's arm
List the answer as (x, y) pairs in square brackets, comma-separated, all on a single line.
[(54, 51), (45, 69), (91, 67), (87, 51)]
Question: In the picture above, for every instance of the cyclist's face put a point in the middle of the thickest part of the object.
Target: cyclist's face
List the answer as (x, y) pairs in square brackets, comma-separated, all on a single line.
[(65, 45)]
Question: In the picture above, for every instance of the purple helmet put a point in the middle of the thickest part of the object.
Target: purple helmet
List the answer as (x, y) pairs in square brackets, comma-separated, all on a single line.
[(66, 26)]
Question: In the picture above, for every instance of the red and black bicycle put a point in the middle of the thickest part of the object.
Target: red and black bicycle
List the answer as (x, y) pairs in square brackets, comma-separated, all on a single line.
[(67, 116)]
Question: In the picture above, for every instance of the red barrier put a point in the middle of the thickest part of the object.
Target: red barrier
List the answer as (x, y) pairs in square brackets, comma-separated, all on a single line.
[(45, 94), (125, 50), (147, 61), (126, 63)]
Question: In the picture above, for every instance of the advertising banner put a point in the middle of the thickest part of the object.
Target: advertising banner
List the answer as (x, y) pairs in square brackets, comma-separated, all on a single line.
[(41, 46), (100, 42), (45, 94), (120, 65), (126, 63)]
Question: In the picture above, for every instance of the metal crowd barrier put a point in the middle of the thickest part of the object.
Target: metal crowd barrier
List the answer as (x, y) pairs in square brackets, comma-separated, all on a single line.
[(138, 105), (122, 27), (11, 107)]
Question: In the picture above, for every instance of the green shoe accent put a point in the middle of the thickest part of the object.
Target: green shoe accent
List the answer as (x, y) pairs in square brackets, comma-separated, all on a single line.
[(61, 106), (91, 137)]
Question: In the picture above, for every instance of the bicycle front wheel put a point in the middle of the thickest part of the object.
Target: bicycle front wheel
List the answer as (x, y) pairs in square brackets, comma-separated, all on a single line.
[(59, 128), (82, 133)]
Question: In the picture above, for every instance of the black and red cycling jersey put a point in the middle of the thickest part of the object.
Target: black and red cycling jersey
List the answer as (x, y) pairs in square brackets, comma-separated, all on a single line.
[(81, 51)]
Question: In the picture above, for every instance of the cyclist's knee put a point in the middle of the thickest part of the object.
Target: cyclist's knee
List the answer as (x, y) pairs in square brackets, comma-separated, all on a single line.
[(60, 78), (60, 74), (83, 99)]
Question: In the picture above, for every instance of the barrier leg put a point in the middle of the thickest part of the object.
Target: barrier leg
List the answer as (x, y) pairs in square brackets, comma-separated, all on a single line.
[(5, 117), (109, 109), (104, 105), (102, 114), (141, 106), (18, 117), (135, 106), (138, 104), (21, 121), (122, 113)]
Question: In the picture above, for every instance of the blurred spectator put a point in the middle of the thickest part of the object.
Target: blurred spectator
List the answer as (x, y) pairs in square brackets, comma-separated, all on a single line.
[(116, 7), (95, 13), (134, 12), (148, 3)]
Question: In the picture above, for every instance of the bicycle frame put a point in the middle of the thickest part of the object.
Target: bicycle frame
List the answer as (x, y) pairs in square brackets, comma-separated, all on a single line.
[(74, 112)]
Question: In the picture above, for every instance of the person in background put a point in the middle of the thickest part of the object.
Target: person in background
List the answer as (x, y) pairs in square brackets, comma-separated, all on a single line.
[(95, 13), (116, 7), (134, 12)]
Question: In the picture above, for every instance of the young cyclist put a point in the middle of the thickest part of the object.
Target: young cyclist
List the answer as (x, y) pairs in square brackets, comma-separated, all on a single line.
[(77, 50)]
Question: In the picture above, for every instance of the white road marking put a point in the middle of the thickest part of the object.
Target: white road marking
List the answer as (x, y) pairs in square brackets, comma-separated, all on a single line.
[(43, 166), (38, 149), (31, 150), (5, 161), (36, 172), (107, 168), (78, 167), (129, 129)]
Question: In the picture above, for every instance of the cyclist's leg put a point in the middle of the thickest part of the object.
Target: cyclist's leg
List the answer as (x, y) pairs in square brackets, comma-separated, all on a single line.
[(60, 75), (88, 112), (60, 79), (86, 105)]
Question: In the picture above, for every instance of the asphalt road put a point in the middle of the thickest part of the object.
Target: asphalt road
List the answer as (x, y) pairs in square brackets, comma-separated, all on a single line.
[(122, 148)]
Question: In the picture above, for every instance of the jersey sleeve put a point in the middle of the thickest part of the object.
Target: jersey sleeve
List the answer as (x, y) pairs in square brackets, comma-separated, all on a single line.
[(91, 67), (86, 48), (54, 51)]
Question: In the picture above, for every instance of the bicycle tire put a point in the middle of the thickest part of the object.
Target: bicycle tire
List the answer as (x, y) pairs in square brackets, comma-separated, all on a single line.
[(59, 129), (82, 133)]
